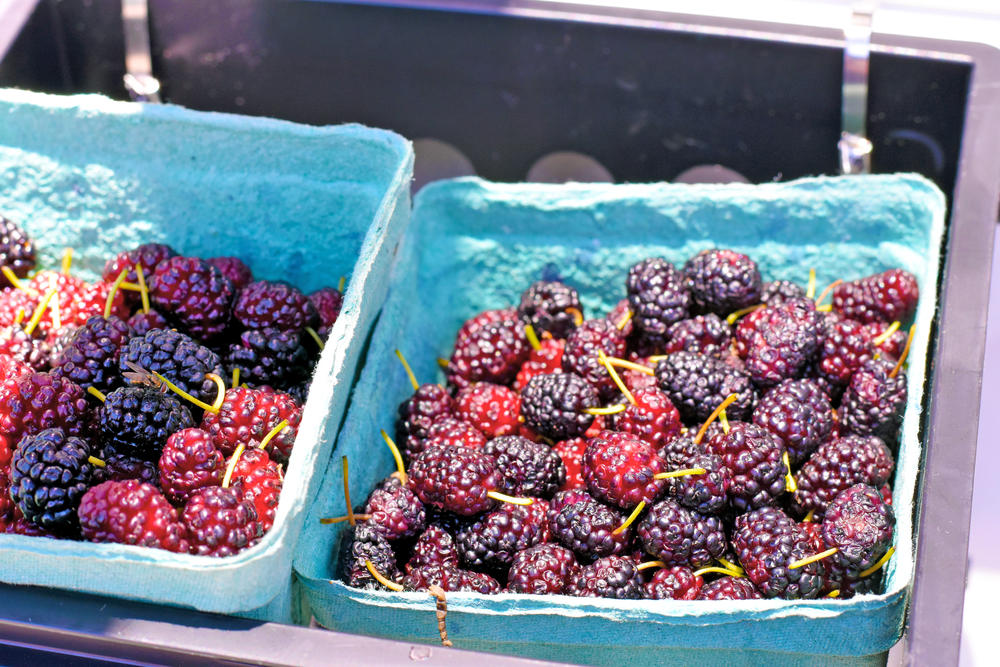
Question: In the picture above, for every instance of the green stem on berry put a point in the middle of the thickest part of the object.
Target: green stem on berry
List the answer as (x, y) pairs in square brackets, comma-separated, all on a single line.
[(680, 473), (231, 467), (341, 283), (529, 333), (111, 293), (603, 358), (316, 337), (631, 365), (812, 559), (732, 567), (391, 585), (341, 519), (625, 320), (808, 518), (720, 570), (183, 394), (577, 315), (36, 317), (236, 377), (95, 392), (906, 352), (880, 564), (143, 290), (711, 418), (281, 426), (513, 500), (732, 317), (790, 484), (884, 336), (610, 410), (631, 518), (409, 371), (347, 493), (96, 461), (826, 291), (835, 593), (221, 396), (9, 274), (811, 286), (67, 261), (400, 468), (650, 564)]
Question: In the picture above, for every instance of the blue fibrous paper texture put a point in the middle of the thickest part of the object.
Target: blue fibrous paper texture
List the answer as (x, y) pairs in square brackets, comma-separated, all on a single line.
[(297, 203), (474, 245)]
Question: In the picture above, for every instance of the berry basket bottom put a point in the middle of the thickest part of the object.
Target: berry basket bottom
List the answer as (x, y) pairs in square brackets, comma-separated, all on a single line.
[(474, 245)]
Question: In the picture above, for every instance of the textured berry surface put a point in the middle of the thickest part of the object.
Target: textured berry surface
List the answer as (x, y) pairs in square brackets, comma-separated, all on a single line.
[(587, 528), (31, 349), (491, 541), (148, 256), (874, 401), (787, 338), (706, 334), (889, 348), (452, 431), (546, 359), (799, 413), (652, 418), (860, 525), (435, 546), (658, 296), (474, 324), (491, 408), (491, 353), (754, 458), (546, 306), (619, 469), (571, 453), (721, 281), (395, 511), (526, 468), (90, 358), (766, 542), (177, 357), (131, 512), (327, 301), (582, 348), (729, 588), (220, 522), (142, 323), (120, 467), (885, 297), (234, 269), (189, 461), (259, 479), (706, 493), (50, 472), (838, 465), (264, 304), (673, 583), (416, 414), (696, 384), (450, 579), (269, 356), (37, 401), (137, 420), (845, 348), (247, 415), (361, 544), (455, 479), (779, 291), (553, 405), (614, 577), (678, 536), (194, 294), (17, 250), (542, 569)]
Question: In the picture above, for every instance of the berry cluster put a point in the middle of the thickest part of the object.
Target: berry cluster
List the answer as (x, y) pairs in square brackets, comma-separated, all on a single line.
[(115, 421), (713, 437)]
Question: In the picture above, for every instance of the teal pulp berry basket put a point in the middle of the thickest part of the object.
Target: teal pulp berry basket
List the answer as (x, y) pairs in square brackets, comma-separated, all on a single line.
[(303, 204), (474, 245)]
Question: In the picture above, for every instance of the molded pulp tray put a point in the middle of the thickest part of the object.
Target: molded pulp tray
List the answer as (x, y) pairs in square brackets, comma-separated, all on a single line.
[(304, 204), (474, 245)]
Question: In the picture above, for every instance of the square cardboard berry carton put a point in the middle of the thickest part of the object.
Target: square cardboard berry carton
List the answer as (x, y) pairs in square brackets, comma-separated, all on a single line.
[(474, 245), (303, 204)]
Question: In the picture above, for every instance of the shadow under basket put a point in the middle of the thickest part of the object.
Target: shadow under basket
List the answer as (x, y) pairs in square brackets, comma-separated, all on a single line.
[(302, 204), (474, 245)]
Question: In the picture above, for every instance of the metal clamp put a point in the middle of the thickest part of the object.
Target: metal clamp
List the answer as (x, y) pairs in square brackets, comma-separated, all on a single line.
[(139, 79), (854, 147)]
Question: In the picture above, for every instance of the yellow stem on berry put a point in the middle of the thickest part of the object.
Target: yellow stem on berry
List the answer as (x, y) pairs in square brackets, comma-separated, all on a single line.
[(20, 316), (732, 567), (347, 493), (680, 473), (603, 358), (906, 352), (835, 593), (650, 564), (39, 311), (880, 564), (631, 518), (281, 426), (657, 358), (96, 461), (341, 519), (513, 500), (577, 315), (409, 371), (400, 468), (316, 337), (341, 283), (67, 261), (711, 418), (529, 333), (95, 392), (56, 315), (812, 559), (183, 394), (12, 278), (231, 467), (809, 516), (826, 291), (443, 363), (130, 287), (236, 377), (732, 317), (391, 585), (631, 365), (811, 286), (624, 320), (221, 396), (790, 484), (884, 336), (720, 570), (143, 290), (610, 410), (724, 420), (825, 308), (111, 294)]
